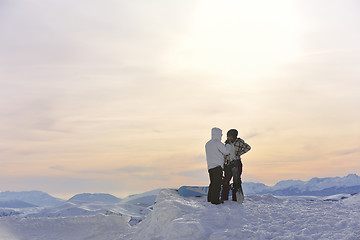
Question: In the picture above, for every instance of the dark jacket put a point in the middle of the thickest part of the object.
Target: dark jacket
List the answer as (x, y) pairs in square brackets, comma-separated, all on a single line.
[(240, 147)]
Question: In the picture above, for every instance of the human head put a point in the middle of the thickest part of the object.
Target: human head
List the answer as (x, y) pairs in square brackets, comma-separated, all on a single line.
[(232, 134), (216, 133)]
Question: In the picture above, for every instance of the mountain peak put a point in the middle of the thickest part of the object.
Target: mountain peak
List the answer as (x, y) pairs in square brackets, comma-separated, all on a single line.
[(37, 198), (288, 183), (352, 175), (95, 197), (315, 186)]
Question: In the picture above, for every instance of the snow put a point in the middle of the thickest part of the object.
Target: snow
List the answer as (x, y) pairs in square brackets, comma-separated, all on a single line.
[(163, 214), (253, 188), (260, 217), (323, 183), (315, 186), (8, 212), (176, 217), (37, 198), (98, 227), (144, 199), (15, 204), (288, 184), (95, 197)]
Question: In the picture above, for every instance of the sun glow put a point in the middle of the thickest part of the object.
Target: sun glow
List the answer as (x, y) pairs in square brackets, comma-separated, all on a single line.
[(242, 38)]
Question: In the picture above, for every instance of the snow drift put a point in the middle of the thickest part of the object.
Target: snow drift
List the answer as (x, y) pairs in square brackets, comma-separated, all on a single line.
[(260, 217), (179, 218)]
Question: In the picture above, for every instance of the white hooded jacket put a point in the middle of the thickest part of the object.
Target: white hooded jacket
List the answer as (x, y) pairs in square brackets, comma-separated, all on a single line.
[(216, 150)]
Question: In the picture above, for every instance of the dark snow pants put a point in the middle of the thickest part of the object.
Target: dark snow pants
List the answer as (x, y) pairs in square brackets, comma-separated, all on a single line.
[(230, 172), (215, 175)]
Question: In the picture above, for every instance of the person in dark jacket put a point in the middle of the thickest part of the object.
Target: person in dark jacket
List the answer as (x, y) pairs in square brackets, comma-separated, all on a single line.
[(237, 148)]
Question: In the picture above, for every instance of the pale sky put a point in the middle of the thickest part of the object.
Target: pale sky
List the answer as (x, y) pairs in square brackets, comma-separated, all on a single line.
[(120, 96)]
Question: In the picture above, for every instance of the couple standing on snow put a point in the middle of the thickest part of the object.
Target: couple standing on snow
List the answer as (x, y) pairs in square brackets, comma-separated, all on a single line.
[(224, 157)]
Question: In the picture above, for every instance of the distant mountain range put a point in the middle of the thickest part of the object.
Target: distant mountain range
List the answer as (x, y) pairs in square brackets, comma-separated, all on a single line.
[(36, 198), (95, 197), (349, 184), (41, 199), (15, 204)]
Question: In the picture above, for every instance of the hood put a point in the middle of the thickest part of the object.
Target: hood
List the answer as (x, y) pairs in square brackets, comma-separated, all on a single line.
[(216, 133)]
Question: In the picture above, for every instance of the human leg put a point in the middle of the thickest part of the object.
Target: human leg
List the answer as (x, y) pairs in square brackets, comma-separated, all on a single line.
[(226, 183), (237, 171), (215, 175)]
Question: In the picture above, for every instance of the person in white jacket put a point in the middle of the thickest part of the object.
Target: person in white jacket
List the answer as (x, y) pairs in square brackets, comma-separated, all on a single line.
[(215, 152)]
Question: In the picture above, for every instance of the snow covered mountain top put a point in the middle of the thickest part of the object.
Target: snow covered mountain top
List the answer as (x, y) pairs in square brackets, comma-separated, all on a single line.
[(287, 184), (15, 204), (41, 199), (320, 183), (37, 198), (315, 186), (95, 197)]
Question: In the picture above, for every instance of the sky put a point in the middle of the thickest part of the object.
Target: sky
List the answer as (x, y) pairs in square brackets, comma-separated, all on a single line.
[(120, 96)]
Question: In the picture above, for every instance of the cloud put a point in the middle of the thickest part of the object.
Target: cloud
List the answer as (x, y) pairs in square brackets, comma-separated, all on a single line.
[(60, 168), (116, 33), (348, 152), (252, 134), (129, 90), (134, 169), (145, 173), (123, 173)]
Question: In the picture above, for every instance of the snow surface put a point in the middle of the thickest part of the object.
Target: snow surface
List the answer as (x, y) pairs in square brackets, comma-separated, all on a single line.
[(176, 217), (260, 217), (144, 199)]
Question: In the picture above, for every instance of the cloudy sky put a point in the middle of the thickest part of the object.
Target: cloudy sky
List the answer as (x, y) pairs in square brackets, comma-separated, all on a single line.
[(120, 96)]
